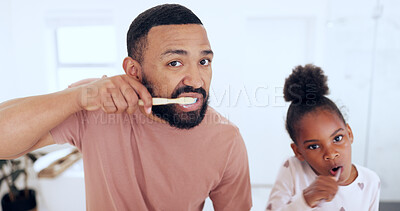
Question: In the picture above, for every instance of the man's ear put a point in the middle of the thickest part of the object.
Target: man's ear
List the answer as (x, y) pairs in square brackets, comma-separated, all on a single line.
[(350, 132), (132, 67), (297, 152)]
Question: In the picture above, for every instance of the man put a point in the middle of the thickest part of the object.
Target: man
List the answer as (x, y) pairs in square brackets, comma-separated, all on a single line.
[(169, 157)]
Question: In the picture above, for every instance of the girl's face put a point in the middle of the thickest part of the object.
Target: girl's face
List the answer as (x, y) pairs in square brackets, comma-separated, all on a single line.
[(324, 142)]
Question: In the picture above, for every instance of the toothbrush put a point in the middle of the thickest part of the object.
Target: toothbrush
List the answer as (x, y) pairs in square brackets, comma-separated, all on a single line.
[(164, 101), (337, 176)]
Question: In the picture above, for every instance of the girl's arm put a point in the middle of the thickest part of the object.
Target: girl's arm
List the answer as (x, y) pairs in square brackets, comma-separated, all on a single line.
[(375, 203), (283, 196)]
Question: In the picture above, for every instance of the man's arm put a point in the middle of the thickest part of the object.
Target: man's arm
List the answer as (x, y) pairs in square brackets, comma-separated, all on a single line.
[(234, 190), (44, 141), (25, 123)]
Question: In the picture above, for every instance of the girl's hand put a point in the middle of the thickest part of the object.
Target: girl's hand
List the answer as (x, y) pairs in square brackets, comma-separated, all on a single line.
[(324, 188)]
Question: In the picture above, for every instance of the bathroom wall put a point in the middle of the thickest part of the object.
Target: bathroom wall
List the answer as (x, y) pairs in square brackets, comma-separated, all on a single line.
[(256, 44)]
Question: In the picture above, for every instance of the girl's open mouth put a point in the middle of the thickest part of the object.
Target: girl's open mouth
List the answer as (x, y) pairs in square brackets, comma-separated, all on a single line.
[(335, 170)]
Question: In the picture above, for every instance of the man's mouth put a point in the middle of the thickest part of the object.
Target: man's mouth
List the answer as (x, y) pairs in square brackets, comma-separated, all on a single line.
[(188, 104), (193, 106)]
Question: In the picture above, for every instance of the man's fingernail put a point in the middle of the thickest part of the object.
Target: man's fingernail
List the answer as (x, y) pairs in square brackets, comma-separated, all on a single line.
[(148, 110)]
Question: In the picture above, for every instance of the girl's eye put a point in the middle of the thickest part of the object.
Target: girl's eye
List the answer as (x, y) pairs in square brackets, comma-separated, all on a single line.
[(205, 62), (338, 138), (313, 146), (175, 64)]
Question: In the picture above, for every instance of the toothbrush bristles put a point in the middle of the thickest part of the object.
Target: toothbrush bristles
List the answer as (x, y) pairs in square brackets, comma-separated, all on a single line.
[(187, 100)]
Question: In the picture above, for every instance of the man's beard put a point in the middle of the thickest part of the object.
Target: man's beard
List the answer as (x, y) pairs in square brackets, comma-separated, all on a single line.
[(171, 114)]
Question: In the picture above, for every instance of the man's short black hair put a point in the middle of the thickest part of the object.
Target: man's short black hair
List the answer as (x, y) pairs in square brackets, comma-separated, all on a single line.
[(166, 14)]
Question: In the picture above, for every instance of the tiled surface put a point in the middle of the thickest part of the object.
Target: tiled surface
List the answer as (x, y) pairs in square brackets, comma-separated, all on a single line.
[(389, 206)]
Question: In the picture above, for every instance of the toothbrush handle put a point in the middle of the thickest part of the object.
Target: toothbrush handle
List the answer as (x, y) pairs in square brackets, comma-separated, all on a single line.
[(156, 101)]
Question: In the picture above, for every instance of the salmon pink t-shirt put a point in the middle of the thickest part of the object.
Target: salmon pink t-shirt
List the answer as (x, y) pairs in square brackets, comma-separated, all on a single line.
[(134, 163)]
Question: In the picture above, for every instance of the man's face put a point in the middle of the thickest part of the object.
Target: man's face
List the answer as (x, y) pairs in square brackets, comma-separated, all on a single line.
[(177, 63)]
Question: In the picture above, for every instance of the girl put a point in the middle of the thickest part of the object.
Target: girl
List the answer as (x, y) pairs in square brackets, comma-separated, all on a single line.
[(321, 176)]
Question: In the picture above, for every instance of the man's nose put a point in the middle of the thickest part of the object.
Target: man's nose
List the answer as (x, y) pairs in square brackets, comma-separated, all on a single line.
[(193, 78), (331, 154)]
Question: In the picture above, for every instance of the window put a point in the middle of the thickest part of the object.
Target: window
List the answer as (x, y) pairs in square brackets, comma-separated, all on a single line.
[(84, 52)]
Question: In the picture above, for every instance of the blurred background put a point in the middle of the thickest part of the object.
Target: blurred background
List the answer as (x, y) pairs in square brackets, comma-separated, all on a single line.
[(46, 45)]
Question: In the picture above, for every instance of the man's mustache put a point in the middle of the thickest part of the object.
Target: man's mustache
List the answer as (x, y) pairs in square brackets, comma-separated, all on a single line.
[(188, 89)]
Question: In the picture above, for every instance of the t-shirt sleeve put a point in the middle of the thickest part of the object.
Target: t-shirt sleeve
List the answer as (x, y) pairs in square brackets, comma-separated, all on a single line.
[(376, 194), (71, 130), (282, 196), (234, 190)]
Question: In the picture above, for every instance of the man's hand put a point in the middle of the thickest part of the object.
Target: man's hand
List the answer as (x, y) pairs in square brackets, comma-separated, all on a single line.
[(324, 188), (115, 94)]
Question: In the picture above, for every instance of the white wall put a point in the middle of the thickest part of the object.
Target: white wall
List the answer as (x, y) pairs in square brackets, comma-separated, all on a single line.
[(256, 43)]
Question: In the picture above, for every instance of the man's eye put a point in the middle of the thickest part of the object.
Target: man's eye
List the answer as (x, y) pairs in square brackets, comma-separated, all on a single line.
[(205, 62), (338, 138), (313, 146), (175, 64)]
